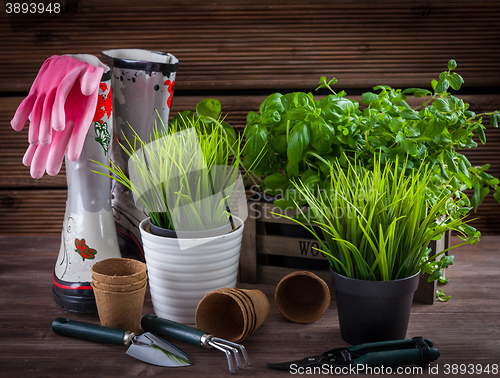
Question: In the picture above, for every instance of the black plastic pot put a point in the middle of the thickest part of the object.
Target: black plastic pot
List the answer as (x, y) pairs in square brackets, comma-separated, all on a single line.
[(372, 311)]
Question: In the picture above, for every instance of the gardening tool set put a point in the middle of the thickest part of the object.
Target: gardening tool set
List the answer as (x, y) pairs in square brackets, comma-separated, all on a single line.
[(152, 346)]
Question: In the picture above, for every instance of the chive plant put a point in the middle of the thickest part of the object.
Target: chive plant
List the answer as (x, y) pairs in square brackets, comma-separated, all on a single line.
[(377, 224), (185, 173)]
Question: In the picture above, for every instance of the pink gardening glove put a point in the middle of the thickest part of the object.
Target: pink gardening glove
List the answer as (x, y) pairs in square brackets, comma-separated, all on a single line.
[(79, 111), (44, 104), (73, 104)]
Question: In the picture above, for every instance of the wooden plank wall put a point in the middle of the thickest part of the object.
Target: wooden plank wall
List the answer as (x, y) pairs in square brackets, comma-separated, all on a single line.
[(241, 51)]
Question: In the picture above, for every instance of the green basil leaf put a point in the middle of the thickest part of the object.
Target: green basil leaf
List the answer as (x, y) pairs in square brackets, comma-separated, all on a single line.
[(255, 146), (253, 118), (230, 133), (279, 143), (275, 184), (185, 119), (312, 182), (270, 118), (209, 107), (297, 144), (271, 102), (322, 135)]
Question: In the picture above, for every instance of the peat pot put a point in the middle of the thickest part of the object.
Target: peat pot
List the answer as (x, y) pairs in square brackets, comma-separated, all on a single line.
[(180, 277), (372, 311)]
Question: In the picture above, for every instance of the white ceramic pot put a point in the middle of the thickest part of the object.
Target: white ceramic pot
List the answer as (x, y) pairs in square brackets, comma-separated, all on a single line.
[(180, 277)]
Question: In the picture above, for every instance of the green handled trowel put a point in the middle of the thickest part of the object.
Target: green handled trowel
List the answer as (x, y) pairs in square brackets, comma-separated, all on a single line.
[(146, 347)]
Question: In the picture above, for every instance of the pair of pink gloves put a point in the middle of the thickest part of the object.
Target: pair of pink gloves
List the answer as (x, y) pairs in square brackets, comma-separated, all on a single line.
[(60, 105)]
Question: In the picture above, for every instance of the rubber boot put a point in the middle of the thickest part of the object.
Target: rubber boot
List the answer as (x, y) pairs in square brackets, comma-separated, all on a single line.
[(142, 84), (89, 233)]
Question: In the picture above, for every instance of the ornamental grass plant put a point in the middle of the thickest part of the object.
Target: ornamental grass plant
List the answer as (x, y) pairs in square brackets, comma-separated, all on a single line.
[(376, 224)]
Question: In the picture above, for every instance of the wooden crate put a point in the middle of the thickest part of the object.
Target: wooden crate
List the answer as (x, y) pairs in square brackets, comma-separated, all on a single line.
[(267, 255)]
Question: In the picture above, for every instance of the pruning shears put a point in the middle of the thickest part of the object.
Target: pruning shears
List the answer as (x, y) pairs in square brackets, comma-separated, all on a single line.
[(416, 350)]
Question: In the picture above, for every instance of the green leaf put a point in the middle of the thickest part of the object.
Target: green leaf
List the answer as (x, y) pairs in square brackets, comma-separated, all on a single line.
[(256, 141), (209, 108), (442, 85), (434, 83), (409, 147), (497, 194), (410, 114), (275, 184), (271, 103), (252, 118), (395, 125), (481, 135), (479, 194), (455, 81), (297, 144), (449, 161), (446, 260), (489, 179), (383, 87), (280, 143), (230, 132), (441, 296), (322, 135), (443, 280), (435, 275), (494, 119), (452, 64), (368, 97), (417, 92), (442, 105)]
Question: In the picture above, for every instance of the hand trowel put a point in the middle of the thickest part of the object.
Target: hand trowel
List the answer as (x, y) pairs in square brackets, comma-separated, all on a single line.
[(146, 347)]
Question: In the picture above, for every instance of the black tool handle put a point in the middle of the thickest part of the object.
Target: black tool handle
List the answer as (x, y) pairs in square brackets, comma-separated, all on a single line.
[(89, 331), (169, 329), (396, 357)]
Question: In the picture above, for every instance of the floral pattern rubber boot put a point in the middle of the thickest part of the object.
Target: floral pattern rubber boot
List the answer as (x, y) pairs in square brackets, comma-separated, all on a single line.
[(89, 233)]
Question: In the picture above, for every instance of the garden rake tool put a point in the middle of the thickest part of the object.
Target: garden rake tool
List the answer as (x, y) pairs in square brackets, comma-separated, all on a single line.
[(167, 328)]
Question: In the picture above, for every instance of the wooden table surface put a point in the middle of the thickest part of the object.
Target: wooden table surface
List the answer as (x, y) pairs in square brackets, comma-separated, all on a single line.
[(466, 329)]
